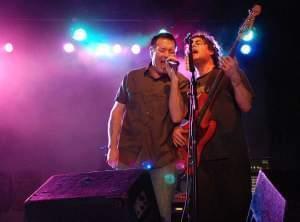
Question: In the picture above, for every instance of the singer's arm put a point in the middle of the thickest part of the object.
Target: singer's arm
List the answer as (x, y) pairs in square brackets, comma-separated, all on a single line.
[(115, 123), (176, 105), (114, 129)]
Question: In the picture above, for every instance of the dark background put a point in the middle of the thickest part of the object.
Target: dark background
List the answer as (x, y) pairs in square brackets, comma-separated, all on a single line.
[(54, 108)]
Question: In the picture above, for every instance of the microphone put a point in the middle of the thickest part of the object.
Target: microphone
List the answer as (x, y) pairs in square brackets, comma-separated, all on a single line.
[(187, 39), (173, 64)]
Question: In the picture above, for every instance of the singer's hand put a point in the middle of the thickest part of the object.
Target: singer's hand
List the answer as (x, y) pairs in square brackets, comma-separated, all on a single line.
[(171, 70), (179, 136), (112, 157)]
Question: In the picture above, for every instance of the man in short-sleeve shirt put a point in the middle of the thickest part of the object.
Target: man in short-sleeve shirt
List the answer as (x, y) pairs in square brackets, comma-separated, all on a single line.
[(143, 117)]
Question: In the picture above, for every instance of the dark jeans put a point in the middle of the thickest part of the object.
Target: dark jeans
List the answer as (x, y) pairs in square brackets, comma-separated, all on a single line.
[(224, 191)]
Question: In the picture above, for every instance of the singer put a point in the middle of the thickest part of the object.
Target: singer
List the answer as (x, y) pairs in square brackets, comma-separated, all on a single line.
[(224, 186), (148, 104)]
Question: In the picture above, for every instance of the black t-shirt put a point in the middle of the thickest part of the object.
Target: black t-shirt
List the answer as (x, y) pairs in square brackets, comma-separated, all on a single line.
[(229, 139)]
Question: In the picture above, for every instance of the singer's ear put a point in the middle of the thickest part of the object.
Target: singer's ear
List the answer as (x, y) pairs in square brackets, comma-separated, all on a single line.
[(151, 49)]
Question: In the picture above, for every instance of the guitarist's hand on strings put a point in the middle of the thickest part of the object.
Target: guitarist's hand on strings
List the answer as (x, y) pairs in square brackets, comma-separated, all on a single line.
[(231, 69)]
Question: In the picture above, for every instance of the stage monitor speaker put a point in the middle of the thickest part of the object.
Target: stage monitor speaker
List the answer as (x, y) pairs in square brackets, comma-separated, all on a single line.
[(267, 203), (108, 196)]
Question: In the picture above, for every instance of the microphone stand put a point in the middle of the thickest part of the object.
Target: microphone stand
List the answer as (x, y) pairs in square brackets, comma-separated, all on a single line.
[(192, 140)]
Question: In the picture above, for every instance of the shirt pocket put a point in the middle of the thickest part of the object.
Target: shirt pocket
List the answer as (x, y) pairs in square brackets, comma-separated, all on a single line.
[(157, 104)]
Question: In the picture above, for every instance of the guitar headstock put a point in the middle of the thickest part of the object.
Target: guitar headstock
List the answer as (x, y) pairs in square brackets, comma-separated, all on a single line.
[(256, 10), (249, 21)]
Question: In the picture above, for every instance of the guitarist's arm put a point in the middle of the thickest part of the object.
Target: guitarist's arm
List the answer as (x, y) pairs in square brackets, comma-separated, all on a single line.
[(242, 93)]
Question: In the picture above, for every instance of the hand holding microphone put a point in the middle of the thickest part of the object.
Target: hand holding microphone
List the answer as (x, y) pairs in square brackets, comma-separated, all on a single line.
[(173, 63), (172, 67)]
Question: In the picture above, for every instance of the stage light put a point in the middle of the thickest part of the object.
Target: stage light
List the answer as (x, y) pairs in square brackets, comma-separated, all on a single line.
[(245, 49), (8, 47), (135, 49), (248, 36), (103, 49), (147, 165), (169, 178), (80, 34), (69, 47), (163, 31), (117, 49), (180, 165)]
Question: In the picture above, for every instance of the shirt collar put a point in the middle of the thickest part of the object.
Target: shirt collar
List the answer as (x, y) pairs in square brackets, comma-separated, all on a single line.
[(147, 73)]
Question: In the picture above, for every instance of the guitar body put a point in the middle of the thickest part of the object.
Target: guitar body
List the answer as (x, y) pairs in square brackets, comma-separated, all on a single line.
[(206, 131)]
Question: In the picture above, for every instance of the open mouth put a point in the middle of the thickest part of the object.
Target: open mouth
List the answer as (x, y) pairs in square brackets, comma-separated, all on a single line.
[(163, 62)]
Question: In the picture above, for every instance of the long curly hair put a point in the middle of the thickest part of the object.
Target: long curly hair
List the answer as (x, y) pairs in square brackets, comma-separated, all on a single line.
[(212, 45)]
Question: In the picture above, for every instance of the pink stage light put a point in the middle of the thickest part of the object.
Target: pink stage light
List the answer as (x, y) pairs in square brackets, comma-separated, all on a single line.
[(69, 48), (8, 47), (136, 49)]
